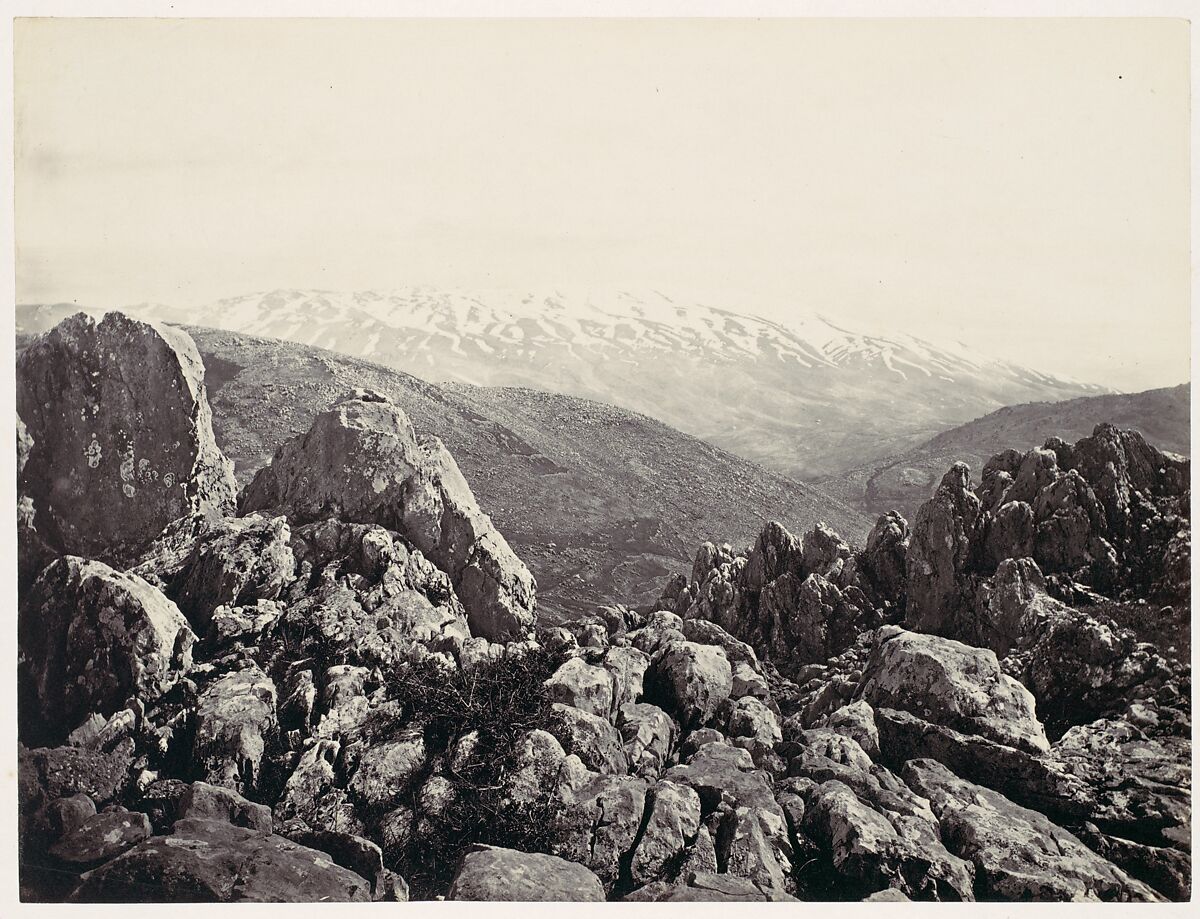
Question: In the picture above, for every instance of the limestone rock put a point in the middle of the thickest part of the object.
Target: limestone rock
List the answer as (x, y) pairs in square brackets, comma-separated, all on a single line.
[(122, 434), (953, 684), (1136, 785), (940, 552), (753, 830), (1018, 853), (352, 852), (493, 873), (708, 887), (91, 637), (387, 770), (648, 734), (211, 861), (537, 764), (1079, 667), (239, 562), (628, 667), (690, 680), (593, 739), (875, 832), (857, 721), (362, 462), (600, 823), (749, 717), (704, 632), (62, 816), (46, 773), (748, 682), (212, 802), (583, 686), (101, 838), (234, 716), (673, 822), (886, 555)]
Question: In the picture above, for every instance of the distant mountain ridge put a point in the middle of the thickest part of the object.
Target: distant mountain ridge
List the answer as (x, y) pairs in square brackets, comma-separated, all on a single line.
[(601, 503), (809, 398), (904, 482)]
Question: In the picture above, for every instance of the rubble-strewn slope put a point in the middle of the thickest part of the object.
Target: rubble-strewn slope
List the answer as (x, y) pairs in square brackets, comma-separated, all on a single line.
[(345, 694)]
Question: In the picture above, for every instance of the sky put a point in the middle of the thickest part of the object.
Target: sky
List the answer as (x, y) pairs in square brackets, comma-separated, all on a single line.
[(1021, 186)]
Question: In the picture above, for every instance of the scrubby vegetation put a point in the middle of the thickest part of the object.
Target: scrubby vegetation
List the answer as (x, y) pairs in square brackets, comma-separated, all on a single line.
[(494, 705)]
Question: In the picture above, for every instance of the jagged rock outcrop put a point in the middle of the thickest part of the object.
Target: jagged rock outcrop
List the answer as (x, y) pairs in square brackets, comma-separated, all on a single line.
[(939, 551), (361, 462), (122, 435), (796, 601), (1101, 514)]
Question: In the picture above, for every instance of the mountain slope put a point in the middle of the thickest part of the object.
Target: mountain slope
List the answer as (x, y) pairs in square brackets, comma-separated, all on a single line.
[(904, 481), (810, 398), (599, 502)]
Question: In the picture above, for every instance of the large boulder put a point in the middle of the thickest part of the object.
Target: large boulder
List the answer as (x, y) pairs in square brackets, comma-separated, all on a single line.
[(387, 770), (592, 738), (362, 462), (952, 684), (691, 680), (122, 434), (212, 802), (492, 873), (648, 734), (600, 822), (211, 861), (873, 848), (90, 638), (101, 838), (752, 835), (874, 831), (47, 773), (672, 824), (1018, 853), (583, 686)]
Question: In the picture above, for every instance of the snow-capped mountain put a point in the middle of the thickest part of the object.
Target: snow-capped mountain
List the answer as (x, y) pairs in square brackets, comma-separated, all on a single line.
[(810, 397)]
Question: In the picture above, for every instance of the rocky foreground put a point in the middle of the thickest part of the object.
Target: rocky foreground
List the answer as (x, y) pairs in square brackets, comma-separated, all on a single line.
[(333, 685)]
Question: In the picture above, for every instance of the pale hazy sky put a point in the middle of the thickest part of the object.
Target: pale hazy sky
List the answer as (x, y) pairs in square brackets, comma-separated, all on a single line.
[(1020, 185)]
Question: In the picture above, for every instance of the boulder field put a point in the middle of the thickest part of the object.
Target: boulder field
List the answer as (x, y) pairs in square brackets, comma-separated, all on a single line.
[(334, 685)]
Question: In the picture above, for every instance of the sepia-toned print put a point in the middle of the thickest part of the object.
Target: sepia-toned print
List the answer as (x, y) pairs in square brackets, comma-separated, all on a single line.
[(653, 460)]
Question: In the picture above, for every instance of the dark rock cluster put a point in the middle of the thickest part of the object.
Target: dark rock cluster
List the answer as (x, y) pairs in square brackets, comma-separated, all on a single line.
[(335, 688)]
